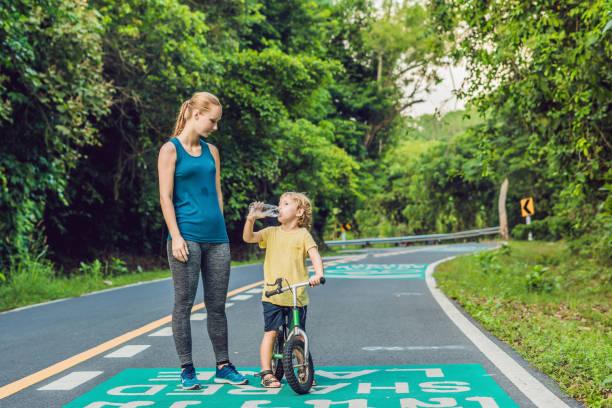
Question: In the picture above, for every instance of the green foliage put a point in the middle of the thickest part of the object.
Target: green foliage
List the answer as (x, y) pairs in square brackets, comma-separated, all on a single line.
[(547, 117), (537, 280), (427, 185), (51, 93), (94, 269), (488, 262), (98, 270)]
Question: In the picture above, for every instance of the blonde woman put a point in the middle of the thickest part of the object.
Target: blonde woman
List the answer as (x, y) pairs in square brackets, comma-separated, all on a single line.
[(192, 205)]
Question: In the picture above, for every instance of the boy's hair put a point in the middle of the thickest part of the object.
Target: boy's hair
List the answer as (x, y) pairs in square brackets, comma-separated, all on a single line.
[(302, 202)]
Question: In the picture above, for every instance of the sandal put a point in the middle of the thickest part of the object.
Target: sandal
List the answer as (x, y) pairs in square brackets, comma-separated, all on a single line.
[(267, 381)]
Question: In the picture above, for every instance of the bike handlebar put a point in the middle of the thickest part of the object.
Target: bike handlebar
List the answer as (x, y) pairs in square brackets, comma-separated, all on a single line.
[(280, 290)]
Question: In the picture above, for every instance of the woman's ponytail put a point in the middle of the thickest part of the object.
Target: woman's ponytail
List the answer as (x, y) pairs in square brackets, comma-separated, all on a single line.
[(181, 120)]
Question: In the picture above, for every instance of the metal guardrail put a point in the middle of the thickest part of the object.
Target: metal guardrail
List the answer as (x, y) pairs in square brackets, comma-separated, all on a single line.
[(418, 238)]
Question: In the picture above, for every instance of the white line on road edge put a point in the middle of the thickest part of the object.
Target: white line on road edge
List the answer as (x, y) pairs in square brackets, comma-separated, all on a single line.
[(71, 381), (127, 351), (525, 382)]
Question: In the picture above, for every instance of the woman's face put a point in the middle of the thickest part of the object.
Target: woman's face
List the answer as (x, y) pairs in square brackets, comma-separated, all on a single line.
[(206, 121)]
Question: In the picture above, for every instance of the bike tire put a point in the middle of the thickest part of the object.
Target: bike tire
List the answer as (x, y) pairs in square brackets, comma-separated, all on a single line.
[(293, 349), (277, 364)]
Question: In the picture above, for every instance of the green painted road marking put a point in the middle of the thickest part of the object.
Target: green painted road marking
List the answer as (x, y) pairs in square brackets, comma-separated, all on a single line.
[(457, 385), (376, 271)]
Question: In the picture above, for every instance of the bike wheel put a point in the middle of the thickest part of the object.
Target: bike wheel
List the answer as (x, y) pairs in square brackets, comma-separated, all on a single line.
[(299, 373), (277, 364)]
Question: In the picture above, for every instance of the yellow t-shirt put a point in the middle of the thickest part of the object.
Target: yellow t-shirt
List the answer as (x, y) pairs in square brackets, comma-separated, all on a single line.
[(286, 258)]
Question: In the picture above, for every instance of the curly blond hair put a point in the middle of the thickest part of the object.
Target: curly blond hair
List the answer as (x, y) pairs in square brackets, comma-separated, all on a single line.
[(302, 202)]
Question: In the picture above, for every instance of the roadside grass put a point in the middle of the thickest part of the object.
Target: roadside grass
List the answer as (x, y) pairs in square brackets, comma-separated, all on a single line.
[(34, 281), (551, 306)]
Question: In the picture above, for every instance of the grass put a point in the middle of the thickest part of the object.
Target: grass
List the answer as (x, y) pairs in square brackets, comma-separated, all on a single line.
[(34, 281), (550, 305)]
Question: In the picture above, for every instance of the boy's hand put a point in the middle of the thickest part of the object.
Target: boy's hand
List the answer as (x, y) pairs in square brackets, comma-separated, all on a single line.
[(315, 280), (255, 211)]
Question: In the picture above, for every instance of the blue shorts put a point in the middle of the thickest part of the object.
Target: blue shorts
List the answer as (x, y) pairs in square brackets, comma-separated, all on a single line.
[(275, 315)]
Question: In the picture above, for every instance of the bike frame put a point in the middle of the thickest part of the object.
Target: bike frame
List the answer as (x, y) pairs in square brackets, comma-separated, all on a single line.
[(295, 329)]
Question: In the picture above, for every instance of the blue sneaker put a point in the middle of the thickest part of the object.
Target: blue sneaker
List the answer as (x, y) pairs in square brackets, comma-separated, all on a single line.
[(189, 379), (228, 375)]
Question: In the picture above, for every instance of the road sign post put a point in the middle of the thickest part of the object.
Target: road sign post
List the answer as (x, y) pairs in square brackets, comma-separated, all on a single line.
[(527, 211)]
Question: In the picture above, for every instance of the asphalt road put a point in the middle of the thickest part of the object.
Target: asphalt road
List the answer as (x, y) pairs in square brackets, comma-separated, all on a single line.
[(352, 323)]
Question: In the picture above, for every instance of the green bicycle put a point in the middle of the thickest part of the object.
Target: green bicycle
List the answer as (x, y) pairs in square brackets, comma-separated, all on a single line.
[(292, 345)]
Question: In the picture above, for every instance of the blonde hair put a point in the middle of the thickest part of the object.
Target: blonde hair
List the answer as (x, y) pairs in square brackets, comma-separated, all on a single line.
[(302, 202), (200, 101)]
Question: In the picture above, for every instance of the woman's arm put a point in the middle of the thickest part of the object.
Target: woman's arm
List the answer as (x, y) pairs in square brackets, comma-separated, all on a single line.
[(166, 164), (215, 153)]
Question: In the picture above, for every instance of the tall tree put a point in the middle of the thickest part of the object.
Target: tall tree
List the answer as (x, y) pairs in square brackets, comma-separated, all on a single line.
[(541, 72), (51, 94)]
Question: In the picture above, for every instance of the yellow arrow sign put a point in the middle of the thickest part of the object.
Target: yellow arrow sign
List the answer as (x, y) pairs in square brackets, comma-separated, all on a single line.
[(527, 207)]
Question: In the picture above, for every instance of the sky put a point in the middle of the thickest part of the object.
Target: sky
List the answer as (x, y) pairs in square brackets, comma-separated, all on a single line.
[(442, 97)]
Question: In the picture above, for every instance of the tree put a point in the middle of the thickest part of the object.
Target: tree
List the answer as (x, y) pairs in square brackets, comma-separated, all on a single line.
[(541, 73), (52, 93)]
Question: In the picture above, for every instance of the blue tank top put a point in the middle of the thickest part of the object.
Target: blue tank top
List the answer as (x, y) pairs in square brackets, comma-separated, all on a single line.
[(196, 204)]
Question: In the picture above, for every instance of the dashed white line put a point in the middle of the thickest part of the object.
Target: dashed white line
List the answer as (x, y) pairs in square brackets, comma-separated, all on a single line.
[(228, 305), (71, 381), (198, 316), (241, 297), (127, 351), (255, 290), (166, 331)]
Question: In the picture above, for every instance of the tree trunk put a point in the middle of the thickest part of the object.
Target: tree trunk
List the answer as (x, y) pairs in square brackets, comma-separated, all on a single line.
[(503, 218)]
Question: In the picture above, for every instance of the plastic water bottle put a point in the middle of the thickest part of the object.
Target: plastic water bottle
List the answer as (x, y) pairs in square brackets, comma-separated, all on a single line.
[(270, 210)]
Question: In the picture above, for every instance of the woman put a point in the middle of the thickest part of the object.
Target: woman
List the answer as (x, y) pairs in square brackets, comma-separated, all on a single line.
[(192, 205)]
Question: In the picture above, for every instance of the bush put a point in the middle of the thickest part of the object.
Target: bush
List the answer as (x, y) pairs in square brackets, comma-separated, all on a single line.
[(537, 280), (550, 228)]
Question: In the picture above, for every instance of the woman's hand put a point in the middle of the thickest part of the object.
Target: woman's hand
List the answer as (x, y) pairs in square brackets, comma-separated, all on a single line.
[(179, 249)]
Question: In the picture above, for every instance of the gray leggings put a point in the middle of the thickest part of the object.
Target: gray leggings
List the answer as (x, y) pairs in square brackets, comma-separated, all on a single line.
[(213, 261)]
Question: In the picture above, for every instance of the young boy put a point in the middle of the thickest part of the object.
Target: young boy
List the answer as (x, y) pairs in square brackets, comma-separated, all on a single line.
[(286, 249)]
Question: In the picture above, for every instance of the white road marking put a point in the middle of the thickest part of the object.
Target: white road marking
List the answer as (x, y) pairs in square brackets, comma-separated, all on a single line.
[(198, 316), (70, 381), (241, 297), (228, 305), (412, 348), (127, 351), (166, 331), (255, 290), (521, 378)]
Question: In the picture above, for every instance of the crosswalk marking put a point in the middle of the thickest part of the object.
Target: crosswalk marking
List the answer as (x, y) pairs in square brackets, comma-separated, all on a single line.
[(70, 381), (127, 351), (166, 331), (198, 316)]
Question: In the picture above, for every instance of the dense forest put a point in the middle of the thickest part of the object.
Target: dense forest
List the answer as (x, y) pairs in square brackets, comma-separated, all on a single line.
[(317, 97)]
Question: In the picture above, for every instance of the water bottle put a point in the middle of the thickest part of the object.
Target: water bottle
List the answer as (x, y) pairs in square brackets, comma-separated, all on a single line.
[(269, 210)]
